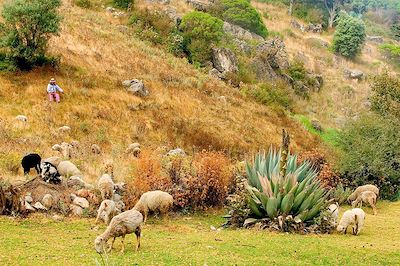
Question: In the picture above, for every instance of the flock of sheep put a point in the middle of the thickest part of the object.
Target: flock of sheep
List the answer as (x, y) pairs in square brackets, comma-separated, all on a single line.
[(120, 223), (355, 217)]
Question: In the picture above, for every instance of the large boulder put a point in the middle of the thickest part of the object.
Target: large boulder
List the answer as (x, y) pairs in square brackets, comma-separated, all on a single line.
[(48, 201), (224, 60), (274, 51), (136, 87), (353, 74), (315, 28), (200, 5), (240, 33)]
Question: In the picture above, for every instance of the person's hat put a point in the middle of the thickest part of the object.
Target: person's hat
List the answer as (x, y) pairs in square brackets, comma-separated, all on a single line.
[(52, 80)]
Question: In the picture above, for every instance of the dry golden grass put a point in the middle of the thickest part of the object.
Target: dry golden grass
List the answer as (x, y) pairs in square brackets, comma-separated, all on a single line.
[(182, 109)]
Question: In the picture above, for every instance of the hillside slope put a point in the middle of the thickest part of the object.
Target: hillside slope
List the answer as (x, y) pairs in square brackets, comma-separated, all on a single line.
[(182, 110)]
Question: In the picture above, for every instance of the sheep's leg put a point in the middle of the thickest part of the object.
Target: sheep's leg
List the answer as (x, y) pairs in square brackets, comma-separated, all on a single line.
[(123, 244), (138, 232), (37, 167), (112, 245), (145, 216), (97, 218)]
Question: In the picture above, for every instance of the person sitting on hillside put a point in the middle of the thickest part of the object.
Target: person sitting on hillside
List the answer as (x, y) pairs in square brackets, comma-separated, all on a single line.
[(53, 89)]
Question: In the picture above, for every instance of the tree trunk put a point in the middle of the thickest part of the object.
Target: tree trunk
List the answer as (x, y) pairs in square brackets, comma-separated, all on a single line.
[(331, 20), (291, 7)]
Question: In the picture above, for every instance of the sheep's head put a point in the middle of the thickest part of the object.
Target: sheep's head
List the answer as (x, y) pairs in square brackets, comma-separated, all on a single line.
[(340, 228), (109, 168), (99, 244)]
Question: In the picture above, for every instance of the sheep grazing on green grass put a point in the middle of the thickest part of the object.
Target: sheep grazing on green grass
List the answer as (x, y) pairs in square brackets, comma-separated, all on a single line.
[(361, 189), (367, 197), (154, 201), (354, 218), (106, 211), (121, 225)]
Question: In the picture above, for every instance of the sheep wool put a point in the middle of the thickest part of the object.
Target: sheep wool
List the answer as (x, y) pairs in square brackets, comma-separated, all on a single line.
[(125, 223), (154, 201), (106, 211), (333, 209), (354, 218), (367, 197), (106, 186), (361, 189), (67, 169)]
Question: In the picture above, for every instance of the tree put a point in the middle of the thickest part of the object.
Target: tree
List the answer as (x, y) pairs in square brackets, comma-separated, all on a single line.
[(27, 27), (291, 4), (201, 31), (333, 7), (349, 36), (385, 96)]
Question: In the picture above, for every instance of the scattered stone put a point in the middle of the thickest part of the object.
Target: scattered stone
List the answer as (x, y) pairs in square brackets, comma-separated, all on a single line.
[(242, 46), (274, 51), (224, 60), (79, 201), (375, 39), (239, 32), (39, 206), (199, 5), (136, 87), (76, 210), (176, 152), (295, 24), (315, 28), (216, 74), (28, 198), (48, 201), (57, 217), (95, 149), (123, 28), (213, 228), (64, 129), (76, 182), (353, 74), (21, 118), (29, 207), (316, 125), (134, 148)]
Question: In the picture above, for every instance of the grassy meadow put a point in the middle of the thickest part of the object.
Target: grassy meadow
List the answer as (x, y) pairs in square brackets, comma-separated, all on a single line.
[(188, 240)]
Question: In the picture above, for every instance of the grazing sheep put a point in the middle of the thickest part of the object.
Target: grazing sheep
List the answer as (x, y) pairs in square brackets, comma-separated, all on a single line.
[(67, 169), (119, 187), (55, 160), (354, 218), (153, 201), (333, 209), (31, 160), (95, 149), (106, 211), (106, 186), (64, 129), (21, 118), (120, 206), (360, 189), (65, 149), (109, 168), (125, 223), (134, 149), (49, 173), (366, 197)]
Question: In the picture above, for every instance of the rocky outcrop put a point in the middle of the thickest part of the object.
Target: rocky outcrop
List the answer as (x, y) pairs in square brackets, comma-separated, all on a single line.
[(315, 28), (240, 33), (274, 51), (136, 87), (353, 74), (200, 5), (224, 60)]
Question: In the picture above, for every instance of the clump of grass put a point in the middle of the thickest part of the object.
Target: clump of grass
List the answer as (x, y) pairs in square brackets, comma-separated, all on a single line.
[(329, 136)]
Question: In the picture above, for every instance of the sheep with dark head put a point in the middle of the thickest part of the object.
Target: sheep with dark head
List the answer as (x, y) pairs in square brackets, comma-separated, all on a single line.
[(31, 160), (50, 173)]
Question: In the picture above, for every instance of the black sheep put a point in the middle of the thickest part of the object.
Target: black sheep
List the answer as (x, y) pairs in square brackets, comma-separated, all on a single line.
[(50, 173), (32, 160)]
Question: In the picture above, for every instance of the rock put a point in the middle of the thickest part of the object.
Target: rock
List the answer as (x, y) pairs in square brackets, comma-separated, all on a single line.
[(95, 149), (240, 33), (163, 2), (262, 69), (176, 152), (375, 39), (76, 181), (48, 201), (79, 201), (316, 125), (199, 5), (21, 118), (110, 9), (242, 46), (353, 74), (224, 60), (222, 99), (315, 28), (123, 28), (64, 129), (134, 149), (212, 228), (274, 51), (216, 74), (39, 206), (314, 41), (295, 24), (57, 217), (29, 207), (28, 198), (136, 87), (76, 210)]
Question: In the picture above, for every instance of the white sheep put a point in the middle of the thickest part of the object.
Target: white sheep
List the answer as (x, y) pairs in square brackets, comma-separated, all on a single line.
[(64, 129), (368, 197), (153, 201), (21, 118), (354, 218), (106, 211), (353, 196), (67, 169), (134, 149), (65, 149), (106, 186), (125, 223), (333, 209), (54, 160), (95, 149)]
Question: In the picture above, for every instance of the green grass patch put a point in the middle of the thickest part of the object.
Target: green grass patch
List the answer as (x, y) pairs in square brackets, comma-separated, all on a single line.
[(330, 136), (188, 240)]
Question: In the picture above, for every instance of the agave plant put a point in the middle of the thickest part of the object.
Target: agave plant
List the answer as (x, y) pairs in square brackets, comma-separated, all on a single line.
[(278, 186)]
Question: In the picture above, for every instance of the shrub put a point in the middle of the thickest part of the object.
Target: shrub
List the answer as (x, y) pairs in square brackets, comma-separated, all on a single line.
[(371, 153), (340, 194), (83, 3), (284, 190), (273, 94), (11, 162), (241, 13), (391, 51), (201, 32), (385, 98), (395, 29), (123, 3), (303, 81), (349, 36), (27, 27)]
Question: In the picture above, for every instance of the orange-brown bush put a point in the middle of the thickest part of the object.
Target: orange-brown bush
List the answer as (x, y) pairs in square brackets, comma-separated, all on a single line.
[(328, 178), (197, 182)]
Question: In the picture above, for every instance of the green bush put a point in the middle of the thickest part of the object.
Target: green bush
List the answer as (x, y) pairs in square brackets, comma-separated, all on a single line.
[(385, 98), (391, 51), (201, 32), (273, 94), (349, 36), (241, 13), (371, 154), (299, 74), (123, 3), (83, 3), (27, 27)]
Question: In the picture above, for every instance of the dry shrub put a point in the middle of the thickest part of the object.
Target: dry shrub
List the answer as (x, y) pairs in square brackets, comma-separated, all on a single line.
[(328, 178)]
